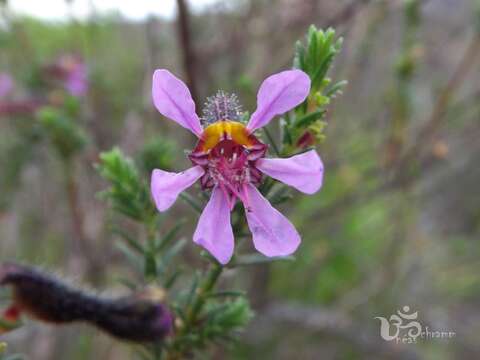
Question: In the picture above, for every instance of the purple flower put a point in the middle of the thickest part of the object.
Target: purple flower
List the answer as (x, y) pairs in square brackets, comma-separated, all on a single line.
[(6, 84), (230, 160), (72, 73), (76, 77)]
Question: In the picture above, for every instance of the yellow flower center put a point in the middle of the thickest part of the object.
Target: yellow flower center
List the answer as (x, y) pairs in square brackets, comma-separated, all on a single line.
[(223, 130)]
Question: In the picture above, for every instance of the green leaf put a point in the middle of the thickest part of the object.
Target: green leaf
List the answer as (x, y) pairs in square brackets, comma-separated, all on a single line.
[(64, 134), (165, 240), (317, 55), (306, 120), (312, 47), (150, 266), (336, 89), (193, 289), (172, 279), (227, 294), (299, 58), (157, 153), (191, 201), (286, 131), (171, 253), (280, 195), (132, 257), (179, 311), (131, 242), (271, 141), (128, 193), (225, 318)]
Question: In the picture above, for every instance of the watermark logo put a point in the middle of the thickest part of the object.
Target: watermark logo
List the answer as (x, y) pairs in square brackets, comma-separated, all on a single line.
[(404, 327)]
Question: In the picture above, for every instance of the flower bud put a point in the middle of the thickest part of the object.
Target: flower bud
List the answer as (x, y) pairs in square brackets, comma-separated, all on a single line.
[(47, 298)]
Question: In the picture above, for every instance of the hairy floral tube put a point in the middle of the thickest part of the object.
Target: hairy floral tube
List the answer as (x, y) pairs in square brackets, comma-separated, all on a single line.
[(47, 298)]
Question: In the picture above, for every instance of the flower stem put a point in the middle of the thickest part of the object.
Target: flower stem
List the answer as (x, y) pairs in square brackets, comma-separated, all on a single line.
[(201, 295), (208, 284)]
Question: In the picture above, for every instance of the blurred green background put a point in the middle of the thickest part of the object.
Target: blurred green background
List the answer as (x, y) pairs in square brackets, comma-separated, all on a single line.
[(397, 221)]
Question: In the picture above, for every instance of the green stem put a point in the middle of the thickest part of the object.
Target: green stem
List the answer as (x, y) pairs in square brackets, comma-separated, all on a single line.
[(150, 266), (271, 141), (211, 277), (203, 291)]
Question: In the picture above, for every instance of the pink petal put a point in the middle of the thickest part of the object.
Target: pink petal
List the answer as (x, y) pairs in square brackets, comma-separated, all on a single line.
[(173, 99), (6, 84), (214, 231), (273, 234), (278, 94), (166, 186), (76, 85), (304, 172)]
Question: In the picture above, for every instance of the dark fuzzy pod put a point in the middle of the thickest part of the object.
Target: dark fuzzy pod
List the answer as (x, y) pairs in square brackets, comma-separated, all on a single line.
[(50, 299)]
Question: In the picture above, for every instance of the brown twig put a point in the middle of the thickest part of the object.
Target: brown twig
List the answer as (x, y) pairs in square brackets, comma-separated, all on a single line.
[(346, 13), (429, 130), (426, 134), (184, 36), (82, 243)]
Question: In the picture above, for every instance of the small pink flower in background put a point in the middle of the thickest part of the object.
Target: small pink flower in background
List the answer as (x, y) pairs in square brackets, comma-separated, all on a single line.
[(9, 107), (72, 72), (230, 160), (6, 84), (76, 81)]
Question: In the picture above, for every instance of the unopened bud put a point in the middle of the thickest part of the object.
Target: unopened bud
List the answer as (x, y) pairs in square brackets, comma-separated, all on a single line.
[(47, 298)]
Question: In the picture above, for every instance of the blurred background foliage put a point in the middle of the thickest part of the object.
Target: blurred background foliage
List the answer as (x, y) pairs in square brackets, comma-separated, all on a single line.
[(396, 223)]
